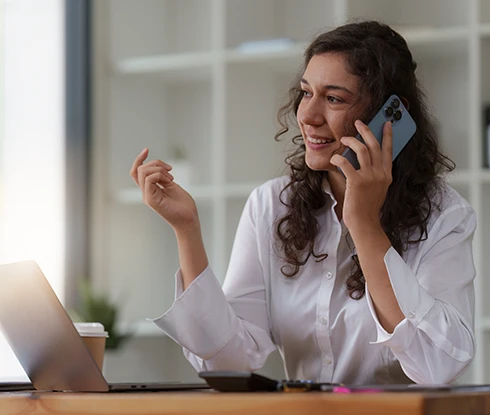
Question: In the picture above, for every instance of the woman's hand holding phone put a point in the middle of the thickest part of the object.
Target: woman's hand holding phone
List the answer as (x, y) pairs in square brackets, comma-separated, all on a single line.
[(162, 194), (367, 162), (366, 188)]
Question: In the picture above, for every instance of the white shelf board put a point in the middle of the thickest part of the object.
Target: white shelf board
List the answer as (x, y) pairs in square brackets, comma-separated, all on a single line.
[(459, 177), (239, 190), (172, 67), (422, 35), (485, 175), (142, 328), (467, 177), (236, 56), (133, 196), (484, 323), (160, 63), (128, 196), (425, 42), (285, 61), (203, 192), (436, 42), (484, 30)]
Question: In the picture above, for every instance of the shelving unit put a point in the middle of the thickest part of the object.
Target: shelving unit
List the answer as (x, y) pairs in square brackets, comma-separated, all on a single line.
[(172, 72)]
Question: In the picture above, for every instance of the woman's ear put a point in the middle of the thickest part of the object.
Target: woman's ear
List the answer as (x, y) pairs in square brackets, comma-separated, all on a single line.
[(405, 102)]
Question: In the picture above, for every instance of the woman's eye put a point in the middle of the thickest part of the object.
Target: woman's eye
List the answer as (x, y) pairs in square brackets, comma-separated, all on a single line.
[(333, 100), (305, 93)]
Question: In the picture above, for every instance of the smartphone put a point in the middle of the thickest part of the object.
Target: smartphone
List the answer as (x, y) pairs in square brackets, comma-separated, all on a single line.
[(404, 128)]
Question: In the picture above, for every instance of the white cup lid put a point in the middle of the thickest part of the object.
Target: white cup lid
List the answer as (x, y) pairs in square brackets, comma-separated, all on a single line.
[(91, 329)]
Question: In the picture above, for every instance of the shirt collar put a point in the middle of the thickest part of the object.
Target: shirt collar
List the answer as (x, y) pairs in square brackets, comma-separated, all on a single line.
[(328, 189)]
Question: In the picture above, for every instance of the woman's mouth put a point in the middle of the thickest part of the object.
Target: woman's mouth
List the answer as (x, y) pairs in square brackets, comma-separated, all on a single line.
[(318, 143)]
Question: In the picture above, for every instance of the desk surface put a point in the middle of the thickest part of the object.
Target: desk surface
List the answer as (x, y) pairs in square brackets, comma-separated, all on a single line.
[(209, 402)]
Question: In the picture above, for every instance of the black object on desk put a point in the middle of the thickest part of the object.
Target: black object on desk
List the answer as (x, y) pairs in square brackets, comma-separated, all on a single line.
[(237, 381), (15, 386)]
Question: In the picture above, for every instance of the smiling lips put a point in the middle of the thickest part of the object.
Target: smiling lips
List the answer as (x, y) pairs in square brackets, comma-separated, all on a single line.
[(320, 140), (316, 142)]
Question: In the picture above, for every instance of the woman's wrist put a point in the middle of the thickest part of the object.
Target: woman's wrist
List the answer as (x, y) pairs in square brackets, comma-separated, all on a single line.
[(371, 235), (362, 226), (192, 254), (188, 229)]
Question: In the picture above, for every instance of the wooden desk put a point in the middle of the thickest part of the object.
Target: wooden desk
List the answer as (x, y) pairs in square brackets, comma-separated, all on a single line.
[(208, 402)]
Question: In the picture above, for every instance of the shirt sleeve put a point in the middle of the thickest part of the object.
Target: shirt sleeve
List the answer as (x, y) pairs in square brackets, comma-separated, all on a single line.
[(221, 331), (435, 342)]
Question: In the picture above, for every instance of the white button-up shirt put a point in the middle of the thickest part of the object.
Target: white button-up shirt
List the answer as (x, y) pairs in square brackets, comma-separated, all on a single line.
[(321, 333)]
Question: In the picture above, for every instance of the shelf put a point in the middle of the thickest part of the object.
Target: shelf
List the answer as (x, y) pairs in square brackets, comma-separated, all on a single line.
[(206, 192), (484, 324), (142, 328), (194, 65), (485, 30), (133, 196), (240, 190), (294, 51), (257, 20), (156, 27), (459, 177), (434, 43), (186, 64), (485, 175), (466, 176), (424, 41), (424, 35)]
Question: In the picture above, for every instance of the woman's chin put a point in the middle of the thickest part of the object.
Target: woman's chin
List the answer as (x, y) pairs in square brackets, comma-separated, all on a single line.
[(320, 165), (321, 162)]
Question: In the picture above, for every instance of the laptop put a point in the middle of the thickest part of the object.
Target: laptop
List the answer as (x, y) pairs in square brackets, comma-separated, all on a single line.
[(47, 344)]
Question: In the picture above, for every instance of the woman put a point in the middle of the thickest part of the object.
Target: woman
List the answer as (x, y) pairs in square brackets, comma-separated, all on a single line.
[(355, 276)]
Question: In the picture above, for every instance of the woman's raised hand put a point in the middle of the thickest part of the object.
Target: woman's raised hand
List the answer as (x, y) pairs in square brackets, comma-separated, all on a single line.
[(367, 187), (162, 194)]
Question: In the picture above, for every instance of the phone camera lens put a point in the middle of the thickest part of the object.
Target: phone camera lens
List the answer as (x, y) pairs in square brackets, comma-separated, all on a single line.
[(395, 103), (398, 115), (389, 111)]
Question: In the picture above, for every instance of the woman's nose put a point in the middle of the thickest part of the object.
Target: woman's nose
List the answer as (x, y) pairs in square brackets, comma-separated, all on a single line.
[(311, 113)]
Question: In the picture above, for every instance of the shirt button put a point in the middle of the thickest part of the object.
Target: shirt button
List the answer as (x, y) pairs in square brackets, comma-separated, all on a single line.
[(327, 361), (411, 314), (323, 320), (329, 275)]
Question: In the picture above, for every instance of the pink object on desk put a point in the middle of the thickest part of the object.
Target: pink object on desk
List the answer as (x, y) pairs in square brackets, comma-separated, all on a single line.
[(343, 389)]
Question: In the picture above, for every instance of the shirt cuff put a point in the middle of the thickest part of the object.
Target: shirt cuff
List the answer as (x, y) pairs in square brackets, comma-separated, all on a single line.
[(413, 301), (200, 319)]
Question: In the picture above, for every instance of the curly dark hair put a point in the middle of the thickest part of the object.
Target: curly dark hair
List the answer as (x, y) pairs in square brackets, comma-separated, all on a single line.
[(383, 63)]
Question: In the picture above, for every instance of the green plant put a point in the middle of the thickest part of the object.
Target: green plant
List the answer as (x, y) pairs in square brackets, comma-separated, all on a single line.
[(178, 152), (98, 307)]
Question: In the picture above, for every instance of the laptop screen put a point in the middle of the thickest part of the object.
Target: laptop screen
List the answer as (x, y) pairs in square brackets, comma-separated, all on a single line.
[(41, 333)]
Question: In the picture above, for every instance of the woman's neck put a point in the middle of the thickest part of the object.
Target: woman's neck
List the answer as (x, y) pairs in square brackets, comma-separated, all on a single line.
[(338, 186)]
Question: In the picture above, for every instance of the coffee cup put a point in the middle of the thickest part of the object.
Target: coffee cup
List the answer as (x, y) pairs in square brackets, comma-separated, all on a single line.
[(94, 336)]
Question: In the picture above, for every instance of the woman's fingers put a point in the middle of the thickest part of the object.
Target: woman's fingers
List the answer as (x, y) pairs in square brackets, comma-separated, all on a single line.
[(138, 161), (344, 164), (160, 163), (140, 170), (371, 143), (387, 146), (147, 169), (362, 152), (153, 183)]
